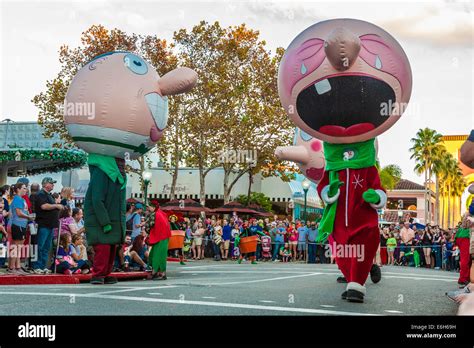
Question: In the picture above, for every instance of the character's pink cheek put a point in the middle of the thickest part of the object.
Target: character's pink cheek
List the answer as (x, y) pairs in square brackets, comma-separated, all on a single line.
[(316, 146)]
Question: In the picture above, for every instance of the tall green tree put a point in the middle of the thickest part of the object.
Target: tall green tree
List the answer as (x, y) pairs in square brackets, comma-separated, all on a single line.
[(439, 159), (452, 185), (199, 49), (236, 120), (426, 145)]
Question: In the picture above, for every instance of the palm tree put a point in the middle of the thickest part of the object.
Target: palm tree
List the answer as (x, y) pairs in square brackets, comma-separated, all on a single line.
[(442, 193), (438, 167), (459, 185), (426, 146), (452, 185)]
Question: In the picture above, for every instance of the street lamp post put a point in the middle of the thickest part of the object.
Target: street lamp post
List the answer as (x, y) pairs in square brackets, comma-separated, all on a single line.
[(146, 181), (306, 183)]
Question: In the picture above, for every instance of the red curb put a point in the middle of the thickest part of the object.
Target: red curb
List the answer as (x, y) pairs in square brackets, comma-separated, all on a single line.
[(64, 279), (37, 279)]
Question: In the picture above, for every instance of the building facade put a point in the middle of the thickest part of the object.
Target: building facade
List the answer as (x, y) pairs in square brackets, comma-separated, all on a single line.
[(453, 208)]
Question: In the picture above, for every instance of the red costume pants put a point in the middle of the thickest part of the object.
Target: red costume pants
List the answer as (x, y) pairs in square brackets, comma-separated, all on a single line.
[(103, 259), (465, 259), (357, 254)]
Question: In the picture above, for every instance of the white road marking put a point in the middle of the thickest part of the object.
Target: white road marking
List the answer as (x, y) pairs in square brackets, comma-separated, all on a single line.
[(249, 271), (393, 311), (154, 293), (327, 305), (199, 303), (263, 280), (388, 274), (209, 297), (265, 301), (419, 274), (421, 278), (135, 289)]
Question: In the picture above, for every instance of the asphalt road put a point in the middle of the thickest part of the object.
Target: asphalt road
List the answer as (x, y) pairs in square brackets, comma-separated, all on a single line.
[(226, 288)]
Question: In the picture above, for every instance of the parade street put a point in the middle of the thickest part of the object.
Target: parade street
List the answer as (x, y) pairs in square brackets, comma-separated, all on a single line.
[(226, 288)]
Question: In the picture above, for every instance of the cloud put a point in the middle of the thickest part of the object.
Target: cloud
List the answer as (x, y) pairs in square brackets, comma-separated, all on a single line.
[(443, 24), (278, 12), (439, 24)]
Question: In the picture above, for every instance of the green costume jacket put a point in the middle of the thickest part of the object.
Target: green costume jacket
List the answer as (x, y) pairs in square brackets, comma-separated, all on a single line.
[(105, 202)]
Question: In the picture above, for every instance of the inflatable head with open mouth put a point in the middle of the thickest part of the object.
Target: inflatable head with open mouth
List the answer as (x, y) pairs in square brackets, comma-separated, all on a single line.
[(344, 81), (117, 104)]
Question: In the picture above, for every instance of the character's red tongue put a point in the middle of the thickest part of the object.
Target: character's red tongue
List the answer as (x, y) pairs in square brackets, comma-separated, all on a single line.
[(339, 131)]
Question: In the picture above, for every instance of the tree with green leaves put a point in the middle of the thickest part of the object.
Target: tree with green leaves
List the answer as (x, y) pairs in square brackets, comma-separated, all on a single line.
[(452, 185), (426, 145), (256, 198), (253, 120), (390, 175), (236, 120), (439, 159), (199, 50)]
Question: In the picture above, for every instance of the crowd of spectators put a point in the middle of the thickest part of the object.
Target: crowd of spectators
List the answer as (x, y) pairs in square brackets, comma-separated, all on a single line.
[(412, 244), (32, 215)]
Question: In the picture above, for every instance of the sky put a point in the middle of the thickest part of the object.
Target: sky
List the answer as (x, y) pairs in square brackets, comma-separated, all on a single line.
[(436, 36)]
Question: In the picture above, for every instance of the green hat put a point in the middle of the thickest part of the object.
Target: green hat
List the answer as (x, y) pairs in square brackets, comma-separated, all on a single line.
[(48, 180)]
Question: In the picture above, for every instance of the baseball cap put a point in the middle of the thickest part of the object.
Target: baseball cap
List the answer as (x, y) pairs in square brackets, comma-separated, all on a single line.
[(23, 181), (139, 206), (48, 180)]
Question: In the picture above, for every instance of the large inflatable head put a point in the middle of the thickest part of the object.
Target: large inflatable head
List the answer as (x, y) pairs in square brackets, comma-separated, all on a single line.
[(117, 104), (344, 81)]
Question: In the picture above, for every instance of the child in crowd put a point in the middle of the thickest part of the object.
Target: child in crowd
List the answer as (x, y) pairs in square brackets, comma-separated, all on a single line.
[(122, 262), (65, 263), (68, 224), (138, 254), (285, 252), (78, 252), (391, 245)]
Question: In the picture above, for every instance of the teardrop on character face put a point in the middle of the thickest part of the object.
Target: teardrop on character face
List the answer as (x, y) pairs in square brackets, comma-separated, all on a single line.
[(303, 69)]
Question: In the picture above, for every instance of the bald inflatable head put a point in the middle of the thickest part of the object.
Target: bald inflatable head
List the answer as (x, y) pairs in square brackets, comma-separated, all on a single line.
[(344, 81), (117, 104)]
